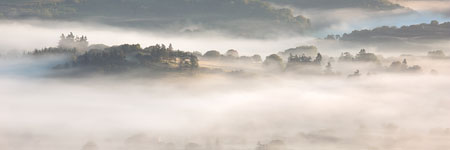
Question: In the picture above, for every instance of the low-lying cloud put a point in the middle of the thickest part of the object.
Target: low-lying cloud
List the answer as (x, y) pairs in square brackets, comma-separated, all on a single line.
[(380, 112), (29, 35)]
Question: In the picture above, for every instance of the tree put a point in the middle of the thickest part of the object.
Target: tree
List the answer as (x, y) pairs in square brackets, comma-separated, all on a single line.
[(330, 37), (256, 58), (274, 61), (194, 61), (71, 41), (398, 66), (170, 47), (415, 68), (318, 59), (329, 68), (212, 54), (301, 50), (355, 74), (232, 53), (436, 54), (434, 23), (364, 56), (346, 56)]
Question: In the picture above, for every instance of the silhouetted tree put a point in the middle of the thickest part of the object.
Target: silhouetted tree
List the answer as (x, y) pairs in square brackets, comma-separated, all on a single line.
[(256, 58), (346, 56), (398, 66), (355, 74), (318, 59), (366, 57), (273, 61), (194, 61), (436, 54), (232, 53), (329, 68), (170, 47), (212, 54), (71, 41)]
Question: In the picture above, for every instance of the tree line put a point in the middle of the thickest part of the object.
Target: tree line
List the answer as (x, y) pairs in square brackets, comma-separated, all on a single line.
[(162, 57)]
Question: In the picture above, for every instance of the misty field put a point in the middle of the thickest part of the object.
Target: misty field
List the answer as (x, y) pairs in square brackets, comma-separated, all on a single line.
[(376, 112)]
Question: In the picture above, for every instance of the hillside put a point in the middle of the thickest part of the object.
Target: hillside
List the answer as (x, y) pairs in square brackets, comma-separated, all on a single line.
[(419, 32), (336, 4), (248, 18)]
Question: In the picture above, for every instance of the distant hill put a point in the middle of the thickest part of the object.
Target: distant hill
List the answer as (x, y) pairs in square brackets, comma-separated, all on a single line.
[(417, 37), (419, 32), (248, 18), (336, 4)]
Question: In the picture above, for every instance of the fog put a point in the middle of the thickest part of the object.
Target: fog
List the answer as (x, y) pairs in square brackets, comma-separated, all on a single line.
[(381, 111), (392, 95), (39, 34)]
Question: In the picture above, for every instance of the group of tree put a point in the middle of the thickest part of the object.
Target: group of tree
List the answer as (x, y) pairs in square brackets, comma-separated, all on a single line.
[(355, 74), (300, 50), (394, 67), (362, 56), (70, 45), (230, 55), (54, 51), (303, 63), (123, 57), (437, 54), (117, 58), (398, 66), (73, 42), (304, 60), (307, 65), (128, 56), (274, 62)]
